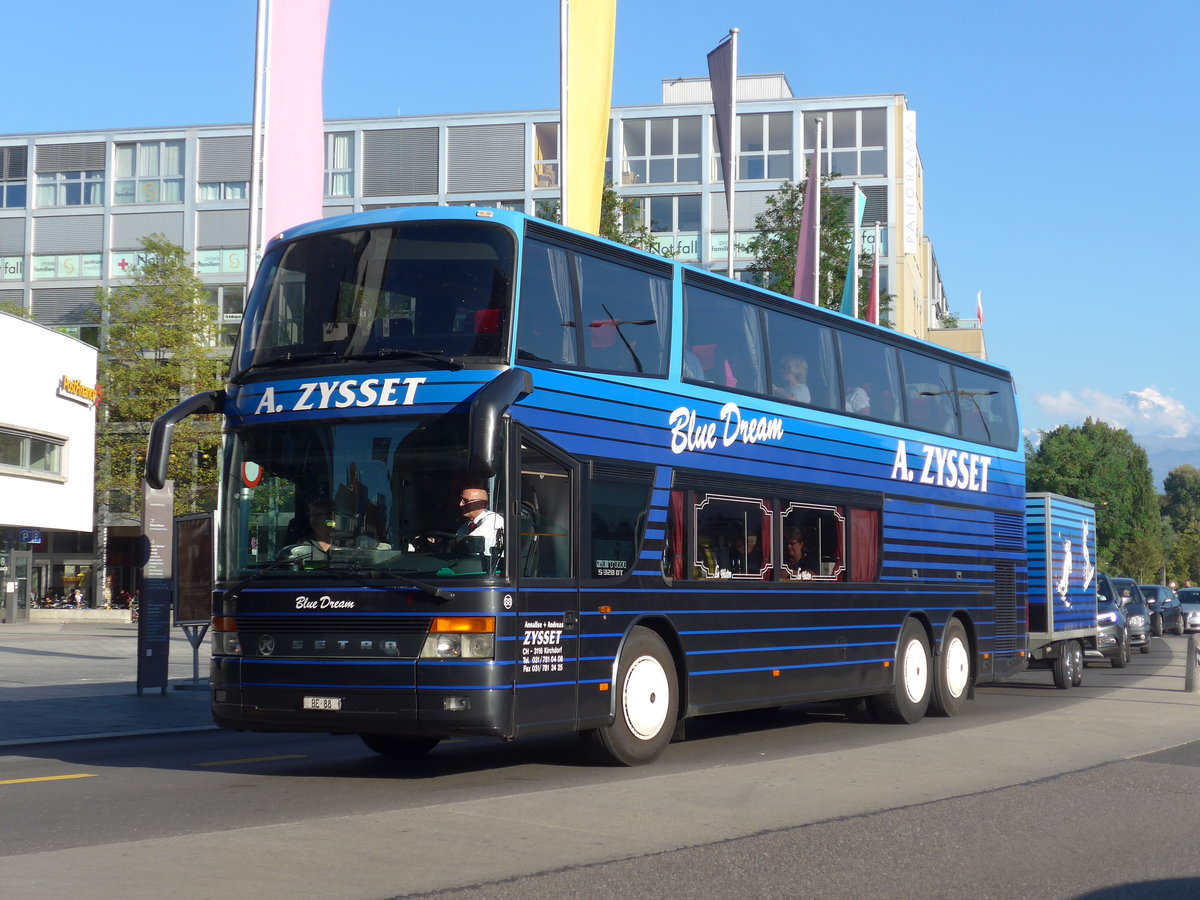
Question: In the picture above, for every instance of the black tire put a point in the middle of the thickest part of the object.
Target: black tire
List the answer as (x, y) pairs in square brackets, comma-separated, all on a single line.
[(1062, 669), (952, 682), (912, 684), (1179, 629), (1121, 660), (647, 703), (1156, 625), (1077, 655), (403, 747)]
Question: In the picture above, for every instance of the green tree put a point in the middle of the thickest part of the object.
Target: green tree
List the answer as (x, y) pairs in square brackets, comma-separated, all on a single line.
[(1184, 562), (778, 231), (1106, 467), (1181, 498), (158, 349)]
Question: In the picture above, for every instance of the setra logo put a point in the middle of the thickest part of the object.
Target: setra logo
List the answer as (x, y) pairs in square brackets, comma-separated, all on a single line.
[(266, 645)]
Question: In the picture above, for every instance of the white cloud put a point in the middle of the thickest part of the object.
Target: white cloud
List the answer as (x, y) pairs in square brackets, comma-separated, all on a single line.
[(1144, 413)]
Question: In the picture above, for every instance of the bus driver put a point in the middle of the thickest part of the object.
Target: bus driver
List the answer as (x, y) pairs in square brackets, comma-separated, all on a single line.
[(479, 521)]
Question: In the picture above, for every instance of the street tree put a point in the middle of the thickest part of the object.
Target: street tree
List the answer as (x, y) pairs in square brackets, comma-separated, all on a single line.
[(1181, 496), (158, 348), (621, 221), (1106, 467), (778, 230)]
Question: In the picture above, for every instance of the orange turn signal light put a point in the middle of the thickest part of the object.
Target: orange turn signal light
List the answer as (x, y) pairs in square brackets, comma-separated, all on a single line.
[(463, 625)]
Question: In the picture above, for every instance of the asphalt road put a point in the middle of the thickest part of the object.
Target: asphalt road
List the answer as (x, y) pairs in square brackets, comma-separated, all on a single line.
[(1032, 792)]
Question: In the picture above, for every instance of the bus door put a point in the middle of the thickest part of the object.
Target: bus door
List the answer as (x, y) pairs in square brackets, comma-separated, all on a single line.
[(547, 603)]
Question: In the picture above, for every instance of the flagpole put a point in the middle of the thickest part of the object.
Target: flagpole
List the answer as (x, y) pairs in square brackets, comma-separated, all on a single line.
[(816, 199), (256, 138), (733, 149), (564, 13)]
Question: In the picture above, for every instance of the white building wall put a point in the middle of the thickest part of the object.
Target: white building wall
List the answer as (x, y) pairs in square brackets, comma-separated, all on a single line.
[(33, 366)]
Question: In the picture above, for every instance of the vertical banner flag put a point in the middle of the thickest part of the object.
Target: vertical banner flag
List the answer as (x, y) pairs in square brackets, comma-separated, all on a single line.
[(850, 292), (590, 36), (873, 291), (722, 78), (979, 308), (294, 127), (808, 243)]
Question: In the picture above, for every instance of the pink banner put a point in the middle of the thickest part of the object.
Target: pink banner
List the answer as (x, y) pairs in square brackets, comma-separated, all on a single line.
[(294, 150)]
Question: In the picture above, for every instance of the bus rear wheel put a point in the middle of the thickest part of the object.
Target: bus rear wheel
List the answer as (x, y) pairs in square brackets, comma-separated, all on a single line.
[(395, 746), (953, 680), (647, 703), (909, 697)]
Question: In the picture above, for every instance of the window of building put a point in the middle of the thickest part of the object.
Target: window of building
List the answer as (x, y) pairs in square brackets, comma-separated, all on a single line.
[(85, 188), (854, 141), (764, 147), (208, 191), (339, 164), (149, 172), (13, 175), (229, 301), (661, 150), (733, 537), (545, 152), (23, 453)]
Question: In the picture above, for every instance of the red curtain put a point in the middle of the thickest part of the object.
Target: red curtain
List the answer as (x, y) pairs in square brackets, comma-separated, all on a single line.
[(676, 529), (864, 544)]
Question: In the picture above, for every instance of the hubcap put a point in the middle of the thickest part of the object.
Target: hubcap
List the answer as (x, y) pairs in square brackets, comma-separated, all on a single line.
[(916, 671), (958, 667), (645, 699)]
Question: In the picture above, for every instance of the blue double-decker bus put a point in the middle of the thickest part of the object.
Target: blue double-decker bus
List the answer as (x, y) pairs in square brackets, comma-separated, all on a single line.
[(484, 475)]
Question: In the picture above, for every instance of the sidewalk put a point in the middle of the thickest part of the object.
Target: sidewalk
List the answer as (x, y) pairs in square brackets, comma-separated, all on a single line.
[(71, 682)]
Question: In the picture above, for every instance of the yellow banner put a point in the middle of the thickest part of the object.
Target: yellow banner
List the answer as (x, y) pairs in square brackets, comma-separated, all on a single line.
[(591, 36)]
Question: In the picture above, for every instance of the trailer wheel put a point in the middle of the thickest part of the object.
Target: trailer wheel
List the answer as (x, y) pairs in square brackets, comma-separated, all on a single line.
[(1068, 667), (908, 699), (953, 679), (647, 703)]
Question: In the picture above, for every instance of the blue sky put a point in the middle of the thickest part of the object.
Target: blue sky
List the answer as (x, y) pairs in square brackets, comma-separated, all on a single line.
[(1057, 138)]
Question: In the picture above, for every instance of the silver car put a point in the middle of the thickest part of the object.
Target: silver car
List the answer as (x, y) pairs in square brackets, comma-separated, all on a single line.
[(1189, 599)]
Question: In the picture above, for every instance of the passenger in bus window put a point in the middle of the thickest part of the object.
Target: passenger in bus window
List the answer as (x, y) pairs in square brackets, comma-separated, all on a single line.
[(479, 521), (859, 401), (793, 380), (796, 556), (316, 545)]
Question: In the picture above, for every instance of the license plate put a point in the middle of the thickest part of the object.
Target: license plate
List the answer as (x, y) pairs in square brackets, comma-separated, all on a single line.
[(325, 703)]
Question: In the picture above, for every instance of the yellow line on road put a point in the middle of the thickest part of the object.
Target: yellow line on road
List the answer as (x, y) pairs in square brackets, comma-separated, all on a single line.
[(255, 759), (45, 778)]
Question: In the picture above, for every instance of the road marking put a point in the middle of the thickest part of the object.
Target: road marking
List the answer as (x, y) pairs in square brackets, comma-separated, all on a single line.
[(45, 778), (253, 759)]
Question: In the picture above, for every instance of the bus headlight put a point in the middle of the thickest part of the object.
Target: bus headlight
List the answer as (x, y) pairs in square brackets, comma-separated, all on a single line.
[(463, 637), (225, 640)]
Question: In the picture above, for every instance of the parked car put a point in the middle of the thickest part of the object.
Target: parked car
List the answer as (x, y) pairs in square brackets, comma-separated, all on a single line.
[(1125, 591), (1189, 601), (1165, 611), (1112, 636)]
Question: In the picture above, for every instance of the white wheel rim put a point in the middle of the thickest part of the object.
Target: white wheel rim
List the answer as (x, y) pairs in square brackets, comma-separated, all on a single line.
[(958, 667), (645, 697), (915, 671)]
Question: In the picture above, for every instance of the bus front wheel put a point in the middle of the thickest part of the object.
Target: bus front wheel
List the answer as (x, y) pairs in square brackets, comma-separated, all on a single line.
[(647, 703), (912, 685)]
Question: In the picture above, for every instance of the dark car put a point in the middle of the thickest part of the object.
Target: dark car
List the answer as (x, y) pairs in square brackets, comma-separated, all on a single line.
[(1189, 601), (1166, 614), (1112, 632), (1126, 593)]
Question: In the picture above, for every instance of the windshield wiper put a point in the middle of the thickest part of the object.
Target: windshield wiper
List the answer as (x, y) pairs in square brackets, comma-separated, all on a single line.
[(357, 568), (437, 357), (288, 358)]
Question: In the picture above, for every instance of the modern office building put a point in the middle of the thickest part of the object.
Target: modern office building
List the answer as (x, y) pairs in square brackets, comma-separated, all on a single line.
[(48, 397), (74, 206)]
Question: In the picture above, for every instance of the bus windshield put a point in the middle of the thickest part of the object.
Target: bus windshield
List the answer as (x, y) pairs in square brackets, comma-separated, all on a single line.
[(374, 499), (433, 292)]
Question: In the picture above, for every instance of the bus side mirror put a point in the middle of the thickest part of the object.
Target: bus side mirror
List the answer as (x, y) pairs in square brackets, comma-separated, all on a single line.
[(158, 450), (487, 409)]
